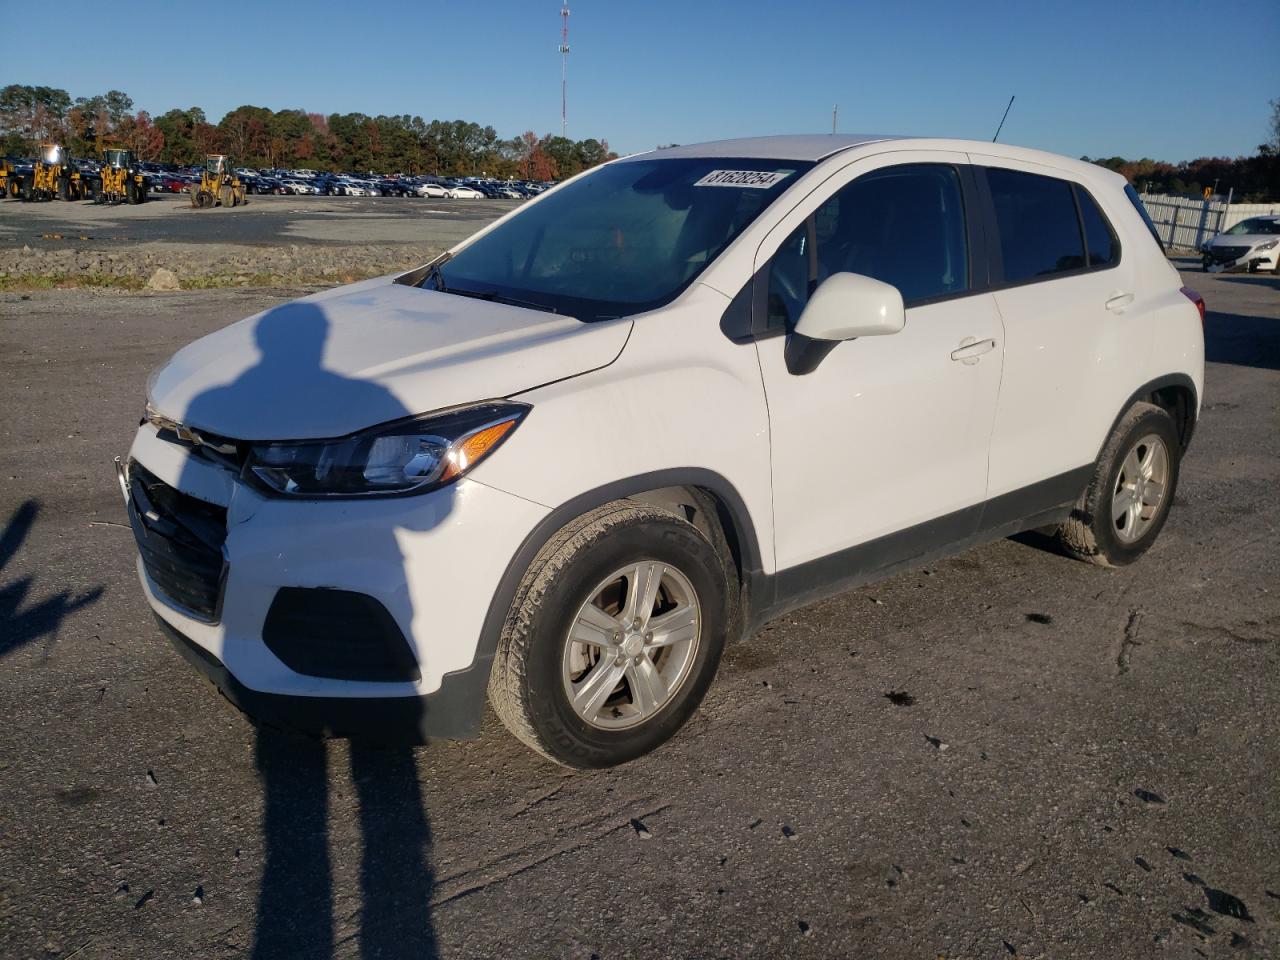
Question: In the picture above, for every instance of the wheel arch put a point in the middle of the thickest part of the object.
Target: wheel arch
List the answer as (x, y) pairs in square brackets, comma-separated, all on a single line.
[(1176, 394), (708, 500)]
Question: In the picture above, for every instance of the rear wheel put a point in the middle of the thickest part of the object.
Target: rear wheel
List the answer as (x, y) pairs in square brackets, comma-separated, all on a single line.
[(1126, 504), (225, 196), (613, 637)]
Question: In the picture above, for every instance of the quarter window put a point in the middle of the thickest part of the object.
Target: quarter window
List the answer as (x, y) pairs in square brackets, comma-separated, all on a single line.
[(1100, 239), (1038, 223), (902, 225)]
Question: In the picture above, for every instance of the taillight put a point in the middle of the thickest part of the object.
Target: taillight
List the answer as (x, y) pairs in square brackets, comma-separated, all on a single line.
[(1197, 300)]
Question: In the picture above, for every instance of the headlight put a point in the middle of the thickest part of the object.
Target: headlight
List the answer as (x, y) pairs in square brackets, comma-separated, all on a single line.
[(409, 456), (1266, 246)]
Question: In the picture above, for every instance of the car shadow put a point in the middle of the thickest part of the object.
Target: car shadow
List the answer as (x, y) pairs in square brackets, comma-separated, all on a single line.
[(24, 621), (1243, 341), (296, 894), (1254, 280)]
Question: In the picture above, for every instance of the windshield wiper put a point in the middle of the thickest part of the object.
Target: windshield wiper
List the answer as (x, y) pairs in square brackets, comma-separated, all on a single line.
[(494, 297)]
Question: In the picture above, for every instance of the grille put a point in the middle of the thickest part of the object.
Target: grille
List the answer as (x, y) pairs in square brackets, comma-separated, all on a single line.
[(1225, 254), (180, 539)]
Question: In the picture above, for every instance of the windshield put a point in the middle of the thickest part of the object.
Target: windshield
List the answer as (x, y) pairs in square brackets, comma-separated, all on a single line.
[(1255, 226), (624, 239)]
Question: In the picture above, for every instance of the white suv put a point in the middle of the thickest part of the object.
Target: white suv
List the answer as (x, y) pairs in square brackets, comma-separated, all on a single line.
[(567, 461)]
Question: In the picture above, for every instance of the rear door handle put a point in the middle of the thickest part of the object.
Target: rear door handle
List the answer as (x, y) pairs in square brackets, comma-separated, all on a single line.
[(970, 350), (1118, 302)]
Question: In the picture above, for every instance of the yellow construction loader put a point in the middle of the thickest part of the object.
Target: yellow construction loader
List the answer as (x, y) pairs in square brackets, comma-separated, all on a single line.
[(218, 185), (122, 180), (52, 176), (8, 183)]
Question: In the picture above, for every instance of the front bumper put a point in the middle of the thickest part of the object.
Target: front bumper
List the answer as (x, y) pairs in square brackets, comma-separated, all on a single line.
[(1228, 259), (451, 712), (432, 561)]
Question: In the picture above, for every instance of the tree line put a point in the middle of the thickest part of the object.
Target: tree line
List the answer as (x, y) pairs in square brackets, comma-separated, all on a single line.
[(1253, 179), (264, 138)]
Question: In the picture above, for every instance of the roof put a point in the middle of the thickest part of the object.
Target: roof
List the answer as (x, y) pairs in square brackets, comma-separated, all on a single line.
[(812, 146)]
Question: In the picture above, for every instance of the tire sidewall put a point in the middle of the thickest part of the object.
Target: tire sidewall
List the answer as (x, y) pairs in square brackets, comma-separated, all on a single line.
[(1116, 551), (564, 733)]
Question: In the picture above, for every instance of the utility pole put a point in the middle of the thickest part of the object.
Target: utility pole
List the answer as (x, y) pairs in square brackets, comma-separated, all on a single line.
[(564, 69)]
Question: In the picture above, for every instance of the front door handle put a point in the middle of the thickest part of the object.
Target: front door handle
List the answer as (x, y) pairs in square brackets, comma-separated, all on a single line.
[(1118, 302), (970, 349)]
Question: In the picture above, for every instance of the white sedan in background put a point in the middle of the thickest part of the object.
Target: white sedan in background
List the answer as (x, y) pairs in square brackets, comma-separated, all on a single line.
[(300, 186), (462, 192), (1251, 245)]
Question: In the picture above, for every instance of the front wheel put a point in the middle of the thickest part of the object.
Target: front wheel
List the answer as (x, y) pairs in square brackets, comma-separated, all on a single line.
[(1126, 504), (613, 637)]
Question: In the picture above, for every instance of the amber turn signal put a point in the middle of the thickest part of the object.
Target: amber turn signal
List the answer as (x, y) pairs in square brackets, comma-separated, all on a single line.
[(470, 450)]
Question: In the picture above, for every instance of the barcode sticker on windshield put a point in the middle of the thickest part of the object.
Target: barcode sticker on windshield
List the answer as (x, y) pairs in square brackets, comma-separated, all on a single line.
[(755, 179)]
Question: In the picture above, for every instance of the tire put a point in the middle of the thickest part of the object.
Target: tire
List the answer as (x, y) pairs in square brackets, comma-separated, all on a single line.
[(1094, 532), (537, 661), (64, 189)]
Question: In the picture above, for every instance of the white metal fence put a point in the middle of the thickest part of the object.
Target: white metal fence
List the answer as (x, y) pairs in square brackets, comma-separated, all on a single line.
[(1186, 224)]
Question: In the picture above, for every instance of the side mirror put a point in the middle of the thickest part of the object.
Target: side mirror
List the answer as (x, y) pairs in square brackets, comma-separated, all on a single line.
[(845, 306), (849, 305)]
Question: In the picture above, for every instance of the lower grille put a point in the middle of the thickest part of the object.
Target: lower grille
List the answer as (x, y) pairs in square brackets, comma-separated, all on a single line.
[(180, 540), (1227, 254)]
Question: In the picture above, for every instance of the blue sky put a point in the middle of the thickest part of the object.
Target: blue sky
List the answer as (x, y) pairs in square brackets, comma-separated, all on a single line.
[(1096, 78)]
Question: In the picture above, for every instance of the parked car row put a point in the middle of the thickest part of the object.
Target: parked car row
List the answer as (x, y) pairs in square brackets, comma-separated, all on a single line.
[(309, 182)]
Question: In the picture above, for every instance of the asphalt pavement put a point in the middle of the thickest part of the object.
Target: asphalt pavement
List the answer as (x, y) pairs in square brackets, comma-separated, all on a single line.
[(1005, 754)]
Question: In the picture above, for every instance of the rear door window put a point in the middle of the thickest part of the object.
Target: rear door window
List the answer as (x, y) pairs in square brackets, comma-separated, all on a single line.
[(1038, 224)]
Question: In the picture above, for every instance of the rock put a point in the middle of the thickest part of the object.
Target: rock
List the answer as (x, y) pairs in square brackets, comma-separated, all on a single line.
[(164, 280)]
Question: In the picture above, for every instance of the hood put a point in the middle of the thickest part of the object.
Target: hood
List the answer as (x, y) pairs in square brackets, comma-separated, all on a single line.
[(1242, 239), (369, 353)]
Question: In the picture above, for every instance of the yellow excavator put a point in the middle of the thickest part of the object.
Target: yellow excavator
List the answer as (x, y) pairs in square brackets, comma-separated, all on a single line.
[(122, 180), (53, 176), (218, 186)]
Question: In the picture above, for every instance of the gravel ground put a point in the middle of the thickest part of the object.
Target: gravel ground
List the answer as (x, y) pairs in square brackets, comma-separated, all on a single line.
[(1005, 754), (271, 240)]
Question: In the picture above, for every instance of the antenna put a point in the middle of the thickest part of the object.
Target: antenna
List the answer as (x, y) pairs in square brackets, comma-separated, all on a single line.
[(564, 69), (1002, 120)]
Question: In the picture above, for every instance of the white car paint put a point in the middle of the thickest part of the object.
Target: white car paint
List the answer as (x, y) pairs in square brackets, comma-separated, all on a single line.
[(465, 193), (976, 396), (426, 350)]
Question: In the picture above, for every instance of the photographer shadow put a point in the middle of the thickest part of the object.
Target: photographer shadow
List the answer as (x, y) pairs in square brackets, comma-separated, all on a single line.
[(295, 906)]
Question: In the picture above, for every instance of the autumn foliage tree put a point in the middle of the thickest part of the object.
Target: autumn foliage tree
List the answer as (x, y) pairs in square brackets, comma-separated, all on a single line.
[(263, 138)]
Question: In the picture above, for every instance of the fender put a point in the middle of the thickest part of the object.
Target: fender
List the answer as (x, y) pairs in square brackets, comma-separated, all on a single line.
[(743, 529)]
